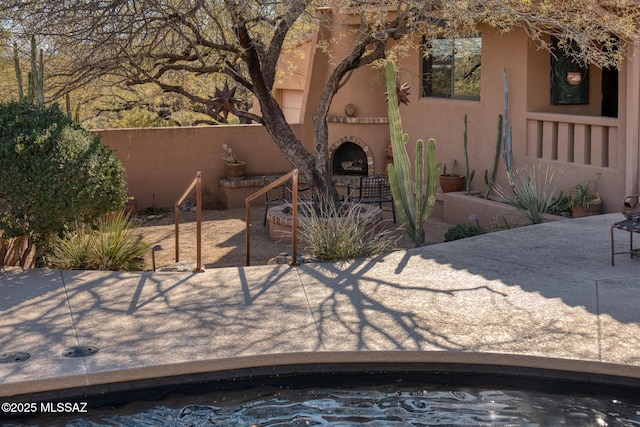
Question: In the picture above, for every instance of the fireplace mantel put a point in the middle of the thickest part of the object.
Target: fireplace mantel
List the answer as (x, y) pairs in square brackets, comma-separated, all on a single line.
[(358, 120)]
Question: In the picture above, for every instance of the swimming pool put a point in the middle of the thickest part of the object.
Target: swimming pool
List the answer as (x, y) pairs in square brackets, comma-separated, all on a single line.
[(370, 396)]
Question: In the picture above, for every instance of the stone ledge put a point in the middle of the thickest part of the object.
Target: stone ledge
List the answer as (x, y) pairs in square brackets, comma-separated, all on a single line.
[(358, 120), (248, 181)]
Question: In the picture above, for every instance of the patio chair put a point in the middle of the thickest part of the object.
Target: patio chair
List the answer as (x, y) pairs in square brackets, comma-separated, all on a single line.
[(279, 195), (630, 224), (373, 189)]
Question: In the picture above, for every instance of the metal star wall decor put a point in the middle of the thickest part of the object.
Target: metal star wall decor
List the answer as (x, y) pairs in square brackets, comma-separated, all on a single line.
[(224, 101), (402, 90)]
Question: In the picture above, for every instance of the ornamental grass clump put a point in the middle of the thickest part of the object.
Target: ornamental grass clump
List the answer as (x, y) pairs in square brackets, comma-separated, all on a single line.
[(114, 244), (337, 232)]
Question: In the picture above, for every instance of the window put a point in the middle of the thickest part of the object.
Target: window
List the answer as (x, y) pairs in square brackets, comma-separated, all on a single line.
[(453, 68)]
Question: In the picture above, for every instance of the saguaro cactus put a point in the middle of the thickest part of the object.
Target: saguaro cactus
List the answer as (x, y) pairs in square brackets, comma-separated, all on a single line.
[(16, 62), (414, 202), (35, 78)]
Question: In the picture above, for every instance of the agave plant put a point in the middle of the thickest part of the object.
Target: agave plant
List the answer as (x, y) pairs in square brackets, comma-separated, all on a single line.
[(532, 191)]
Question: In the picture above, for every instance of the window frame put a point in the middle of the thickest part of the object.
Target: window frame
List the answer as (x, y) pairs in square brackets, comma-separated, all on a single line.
[(427, 67)]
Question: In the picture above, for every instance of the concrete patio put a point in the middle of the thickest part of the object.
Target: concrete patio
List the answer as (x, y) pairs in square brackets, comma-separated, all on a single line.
[(539, 297)]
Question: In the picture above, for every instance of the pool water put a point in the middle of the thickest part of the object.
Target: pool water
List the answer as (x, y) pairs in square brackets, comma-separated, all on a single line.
[(406, 408), (394, 404)]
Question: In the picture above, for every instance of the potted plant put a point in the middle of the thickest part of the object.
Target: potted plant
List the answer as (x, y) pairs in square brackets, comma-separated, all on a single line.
[(585, 199), (234, 168), (450, 182)]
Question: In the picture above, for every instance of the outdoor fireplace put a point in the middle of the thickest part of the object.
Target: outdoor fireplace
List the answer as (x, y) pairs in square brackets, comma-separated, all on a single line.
[(350, 156)]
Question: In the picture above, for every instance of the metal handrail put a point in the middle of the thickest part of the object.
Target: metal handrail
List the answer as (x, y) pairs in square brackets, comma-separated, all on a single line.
[(294, 226), (197, 183)]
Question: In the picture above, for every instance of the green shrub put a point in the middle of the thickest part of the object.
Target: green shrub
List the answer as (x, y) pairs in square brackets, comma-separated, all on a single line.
[(559, 204), (54, 173), (461, 231), (339, 232), (114, 244), (500, 223)]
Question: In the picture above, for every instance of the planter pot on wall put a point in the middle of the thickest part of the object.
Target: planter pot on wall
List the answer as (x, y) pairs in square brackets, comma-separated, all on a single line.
[(450, 184), (234, 170), (594, 208)]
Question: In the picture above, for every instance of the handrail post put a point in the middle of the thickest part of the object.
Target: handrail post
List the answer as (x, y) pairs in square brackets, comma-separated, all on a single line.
[(198, 268), (247, 252), (197, 184), (177, 232), (247, 201), (294, 242)]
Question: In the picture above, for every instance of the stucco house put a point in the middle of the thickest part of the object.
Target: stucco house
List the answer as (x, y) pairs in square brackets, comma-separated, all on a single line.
[(580, 121)]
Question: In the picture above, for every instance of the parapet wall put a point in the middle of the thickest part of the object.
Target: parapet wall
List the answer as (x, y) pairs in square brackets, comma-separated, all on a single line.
[(161, 162)]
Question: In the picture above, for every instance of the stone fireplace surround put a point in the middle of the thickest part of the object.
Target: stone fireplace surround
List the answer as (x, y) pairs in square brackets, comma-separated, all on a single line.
[(358, 142)]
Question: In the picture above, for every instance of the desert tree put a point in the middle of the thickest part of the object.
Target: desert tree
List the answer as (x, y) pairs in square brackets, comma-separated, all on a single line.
[(163, 42)]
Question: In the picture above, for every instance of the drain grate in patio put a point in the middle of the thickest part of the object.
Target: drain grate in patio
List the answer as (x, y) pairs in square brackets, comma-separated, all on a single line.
[(14, 357), (80, 351)]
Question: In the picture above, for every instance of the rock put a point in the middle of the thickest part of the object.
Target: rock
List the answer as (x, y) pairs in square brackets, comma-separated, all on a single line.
[(186, 266), (189, 205), (285, 258)]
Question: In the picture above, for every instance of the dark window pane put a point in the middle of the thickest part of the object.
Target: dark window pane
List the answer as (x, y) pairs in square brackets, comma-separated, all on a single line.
[(468, 57), (453, 68)]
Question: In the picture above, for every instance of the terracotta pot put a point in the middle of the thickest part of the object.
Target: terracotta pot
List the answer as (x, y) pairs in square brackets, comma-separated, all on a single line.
[(578, 211), (235, 170), (450, 184)]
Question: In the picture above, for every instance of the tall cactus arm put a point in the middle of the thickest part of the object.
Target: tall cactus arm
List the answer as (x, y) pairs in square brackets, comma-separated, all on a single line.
[(507, 146), (491, 182), (414, 202), (401, 162), (16, 60), (420, 178), (469, 174), (432, 178)]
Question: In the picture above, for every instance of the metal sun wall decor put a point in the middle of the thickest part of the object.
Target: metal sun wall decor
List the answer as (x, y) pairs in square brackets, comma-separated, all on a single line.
[(402, 90), (569, 79)]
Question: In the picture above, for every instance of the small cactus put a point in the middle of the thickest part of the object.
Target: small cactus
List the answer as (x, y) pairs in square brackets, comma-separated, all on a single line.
[(469, 175), (504, 143), (490, 181), (415, 203)]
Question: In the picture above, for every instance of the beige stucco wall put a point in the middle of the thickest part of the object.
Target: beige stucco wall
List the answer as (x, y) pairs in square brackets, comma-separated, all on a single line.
[(164, 161), (441, 119)]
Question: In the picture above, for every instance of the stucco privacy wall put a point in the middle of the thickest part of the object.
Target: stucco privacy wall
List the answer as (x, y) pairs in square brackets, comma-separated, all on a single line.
[(164, 161)]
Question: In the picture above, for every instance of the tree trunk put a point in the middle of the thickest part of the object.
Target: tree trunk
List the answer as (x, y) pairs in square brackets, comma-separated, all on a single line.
[(314, 169), (20, 252)]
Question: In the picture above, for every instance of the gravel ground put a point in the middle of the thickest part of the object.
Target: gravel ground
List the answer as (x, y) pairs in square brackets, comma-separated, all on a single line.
[(223, 238)]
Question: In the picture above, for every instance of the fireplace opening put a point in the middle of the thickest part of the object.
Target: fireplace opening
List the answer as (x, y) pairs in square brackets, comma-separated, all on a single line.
[(350, 159)]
